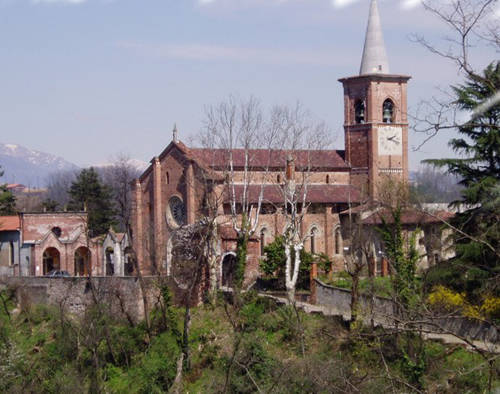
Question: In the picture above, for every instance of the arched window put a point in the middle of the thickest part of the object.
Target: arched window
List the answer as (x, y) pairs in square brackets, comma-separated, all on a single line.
[(129, 262), (11, 253), (278, 178), (228, 268), (314, 232), (388, 111), (262, 241), (110, 261), (57, 231), (338, 241), (328, 179), (167, 178), (51, 260), (359, 111), (82, 260)]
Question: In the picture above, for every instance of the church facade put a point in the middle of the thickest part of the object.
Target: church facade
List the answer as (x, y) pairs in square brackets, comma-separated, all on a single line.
[(172, 192)]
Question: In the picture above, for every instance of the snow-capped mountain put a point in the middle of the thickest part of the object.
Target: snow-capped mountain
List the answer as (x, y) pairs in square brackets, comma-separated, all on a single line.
[(28, 166)]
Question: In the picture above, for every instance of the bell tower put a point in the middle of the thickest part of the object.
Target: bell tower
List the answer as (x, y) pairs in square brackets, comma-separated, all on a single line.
[(375, 115)]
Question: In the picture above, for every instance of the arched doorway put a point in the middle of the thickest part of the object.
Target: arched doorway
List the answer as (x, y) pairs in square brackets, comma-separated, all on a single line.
[(110, 264), (128, 267), (51, 260), (228, 268), (82, 261)]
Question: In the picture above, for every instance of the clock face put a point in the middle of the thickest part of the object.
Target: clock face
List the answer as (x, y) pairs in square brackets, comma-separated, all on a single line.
[(177, 212), (390, 140)]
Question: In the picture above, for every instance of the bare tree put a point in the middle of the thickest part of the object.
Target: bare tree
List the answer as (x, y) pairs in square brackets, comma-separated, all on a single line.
[(189, 248), (359, 258), (299, 140), (119, 176), (58, 184), (235, 129), (472, 27)]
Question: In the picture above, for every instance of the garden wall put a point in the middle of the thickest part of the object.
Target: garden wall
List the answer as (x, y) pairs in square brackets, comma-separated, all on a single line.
[(121, 295), (382, 310)]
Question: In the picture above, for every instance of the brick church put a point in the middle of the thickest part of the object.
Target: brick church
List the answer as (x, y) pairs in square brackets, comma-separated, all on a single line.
[(169, 193)]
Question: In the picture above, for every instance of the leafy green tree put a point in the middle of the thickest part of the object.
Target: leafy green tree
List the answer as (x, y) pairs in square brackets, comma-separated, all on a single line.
[(7, 199), (477, 241), (88, 193), (403, 257), (274, 263)]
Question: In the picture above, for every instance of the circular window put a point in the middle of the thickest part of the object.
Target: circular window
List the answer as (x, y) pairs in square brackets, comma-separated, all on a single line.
[(176, 213)]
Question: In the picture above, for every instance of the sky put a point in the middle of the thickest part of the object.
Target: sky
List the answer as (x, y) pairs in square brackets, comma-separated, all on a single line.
[(89, 79)]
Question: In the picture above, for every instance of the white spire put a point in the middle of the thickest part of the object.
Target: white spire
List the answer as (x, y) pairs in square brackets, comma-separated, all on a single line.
[(374, 59)]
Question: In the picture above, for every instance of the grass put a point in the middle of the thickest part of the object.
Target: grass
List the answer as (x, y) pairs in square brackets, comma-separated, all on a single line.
[(38, 354), (382, 286)]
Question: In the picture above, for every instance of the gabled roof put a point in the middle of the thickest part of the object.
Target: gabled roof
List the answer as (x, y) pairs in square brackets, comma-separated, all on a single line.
[(408, 216), (10, 223), (211, 160), (276, 159), (374, 214)]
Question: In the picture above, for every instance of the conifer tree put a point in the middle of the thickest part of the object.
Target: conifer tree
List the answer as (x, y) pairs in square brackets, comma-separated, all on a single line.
[(478, 167), (88, 193), (7, 199)]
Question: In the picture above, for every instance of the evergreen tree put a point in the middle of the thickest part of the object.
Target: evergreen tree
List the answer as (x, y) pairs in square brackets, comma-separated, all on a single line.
[(7, 199), (88, 193), (476, 264)]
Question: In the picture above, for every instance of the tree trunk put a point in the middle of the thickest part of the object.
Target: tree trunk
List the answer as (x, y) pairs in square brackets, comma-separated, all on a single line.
[(354, 298), (185, 337), (212, 264)]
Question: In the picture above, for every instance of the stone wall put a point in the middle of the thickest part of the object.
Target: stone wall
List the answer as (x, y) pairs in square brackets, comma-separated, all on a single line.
[(122, 295), (339, 300), (382, 310)]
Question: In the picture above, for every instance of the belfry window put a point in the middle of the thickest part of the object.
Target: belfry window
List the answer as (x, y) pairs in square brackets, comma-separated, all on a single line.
[(388, 111), (359, 111)]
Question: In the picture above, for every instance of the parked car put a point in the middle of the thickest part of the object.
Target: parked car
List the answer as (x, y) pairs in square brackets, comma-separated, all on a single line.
[(58, 274)]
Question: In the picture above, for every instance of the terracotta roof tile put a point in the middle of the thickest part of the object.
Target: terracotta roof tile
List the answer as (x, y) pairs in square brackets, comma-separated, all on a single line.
[(315, 194), (409, 216), (10, 223), (262, 158)]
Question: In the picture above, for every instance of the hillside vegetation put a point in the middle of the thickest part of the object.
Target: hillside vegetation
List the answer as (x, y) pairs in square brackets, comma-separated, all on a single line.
[(248, 346)]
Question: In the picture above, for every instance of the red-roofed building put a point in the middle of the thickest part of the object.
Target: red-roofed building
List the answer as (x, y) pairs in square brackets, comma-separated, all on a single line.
[(34, 244), (174, 189), (433, 239)]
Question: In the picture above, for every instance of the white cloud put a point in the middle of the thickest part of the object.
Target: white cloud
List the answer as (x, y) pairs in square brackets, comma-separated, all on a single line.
[(409, 4), (342, 3)]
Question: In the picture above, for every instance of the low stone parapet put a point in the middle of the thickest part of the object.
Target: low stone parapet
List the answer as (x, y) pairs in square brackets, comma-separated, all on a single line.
[(122, 296)]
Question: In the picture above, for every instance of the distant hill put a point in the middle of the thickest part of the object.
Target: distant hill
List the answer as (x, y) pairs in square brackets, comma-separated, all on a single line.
[(29, 167)]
